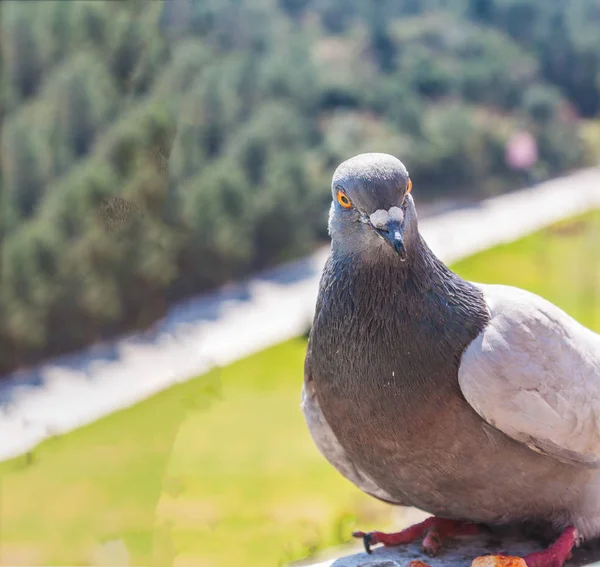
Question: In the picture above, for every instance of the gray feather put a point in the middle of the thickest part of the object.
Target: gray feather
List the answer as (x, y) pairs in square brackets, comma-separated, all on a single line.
[(331, 449), (534, 373)]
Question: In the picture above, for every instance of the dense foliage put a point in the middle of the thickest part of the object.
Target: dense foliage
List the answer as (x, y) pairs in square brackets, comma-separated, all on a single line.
[(151, 151)]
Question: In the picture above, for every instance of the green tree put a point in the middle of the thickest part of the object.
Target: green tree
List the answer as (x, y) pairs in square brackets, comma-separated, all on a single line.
[(153, 150)]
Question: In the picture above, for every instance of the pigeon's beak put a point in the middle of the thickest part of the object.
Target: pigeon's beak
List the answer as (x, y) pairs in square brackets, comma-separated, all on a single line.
[(392, 234)]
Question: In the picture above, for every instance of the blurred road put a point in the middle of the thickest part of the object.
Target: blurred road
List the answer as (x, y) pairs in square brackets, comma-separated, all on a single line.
[(238, 320)]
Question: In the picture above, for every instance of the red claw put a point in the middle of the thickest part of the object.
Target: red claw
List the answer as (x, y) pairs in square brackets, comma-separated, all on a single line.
[(432, 531)]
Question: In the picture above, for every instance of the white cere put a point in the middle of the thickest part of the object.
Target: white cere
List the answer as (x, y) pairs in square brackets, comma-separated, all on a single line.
[(397, 214), (379, 218)]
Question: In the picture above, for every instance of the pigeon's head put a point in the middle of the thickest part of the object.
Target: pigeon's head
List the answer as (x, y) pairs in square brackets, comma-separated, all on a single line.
[(372, 210)]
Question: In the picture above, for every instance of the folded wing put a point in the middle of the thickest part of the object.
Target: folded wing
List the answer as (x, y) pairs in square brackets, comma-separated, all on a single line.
[(534, 374)]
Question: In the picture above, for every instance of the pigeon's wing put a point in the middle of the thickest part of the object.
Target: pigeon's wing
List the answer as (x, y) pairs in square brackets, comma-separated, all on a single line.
[(329, 446), (534, 374)]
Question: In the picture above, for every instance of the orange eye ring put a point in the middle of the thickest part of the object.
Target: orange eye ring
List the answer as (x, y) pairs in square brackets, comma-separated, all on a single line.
[(343, 200), (409, 186)]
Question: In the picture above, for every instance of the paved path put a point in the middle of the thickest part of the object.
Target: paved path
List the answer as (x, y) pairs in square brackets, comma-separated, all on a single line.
[(234, 322)]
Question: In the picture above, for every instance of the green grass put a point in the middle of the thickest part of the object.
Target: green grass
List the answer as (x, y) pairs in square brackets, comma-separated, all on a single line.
[(220, 471), (560, 263)]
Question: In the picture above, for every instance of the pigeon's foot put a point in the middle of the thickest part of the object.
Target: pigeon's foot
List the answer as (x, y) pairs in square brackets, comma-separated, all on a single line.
[(554, 556), (433, 531), (557, 553)]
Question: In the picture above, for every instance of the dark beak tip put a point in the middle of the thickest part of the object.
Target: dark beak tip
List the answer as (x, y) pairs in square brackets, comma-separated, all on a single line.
[(393, 237), (401, 251), (398, 245)]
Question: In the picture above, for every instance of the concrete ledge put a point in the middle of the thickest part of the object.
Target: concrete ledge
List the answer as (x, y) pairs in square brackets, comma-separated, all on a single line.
[(460, 552)]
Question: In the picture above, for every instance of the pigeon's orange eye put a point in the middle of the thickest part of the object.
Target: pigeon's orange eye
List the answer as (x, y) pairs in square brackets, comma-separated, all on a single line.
[(409, 186), (343, 199)]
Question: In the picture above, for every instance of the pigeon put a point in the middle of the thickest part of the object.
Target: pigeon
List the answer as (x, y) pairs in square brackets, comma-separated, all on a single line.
[(477, 403)]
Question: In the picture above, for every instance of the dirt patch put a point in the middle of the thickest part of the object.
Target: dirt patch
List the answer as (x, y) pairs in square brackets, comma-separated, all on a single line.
[(569, 228)]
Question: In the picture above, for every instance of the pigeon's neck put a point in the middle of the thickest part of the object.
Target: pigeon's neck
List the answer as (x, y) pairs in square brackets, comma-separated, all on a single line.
[(404, 281), (413, 319)]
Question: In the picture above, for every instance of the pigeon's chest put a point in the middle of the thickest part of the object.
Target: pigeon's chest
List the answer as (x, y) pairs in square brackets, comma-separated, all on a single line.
[(384, 375), (387, 383)]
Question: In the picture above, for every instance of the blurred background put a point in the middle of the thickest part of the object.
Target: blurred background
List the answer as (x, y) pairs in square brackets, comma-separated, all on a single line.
[(153, 151)]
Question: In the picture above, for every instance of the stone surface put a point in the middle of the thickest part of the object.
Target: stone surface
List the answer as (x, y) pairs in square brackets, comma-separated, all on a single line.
[(460, 552)]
